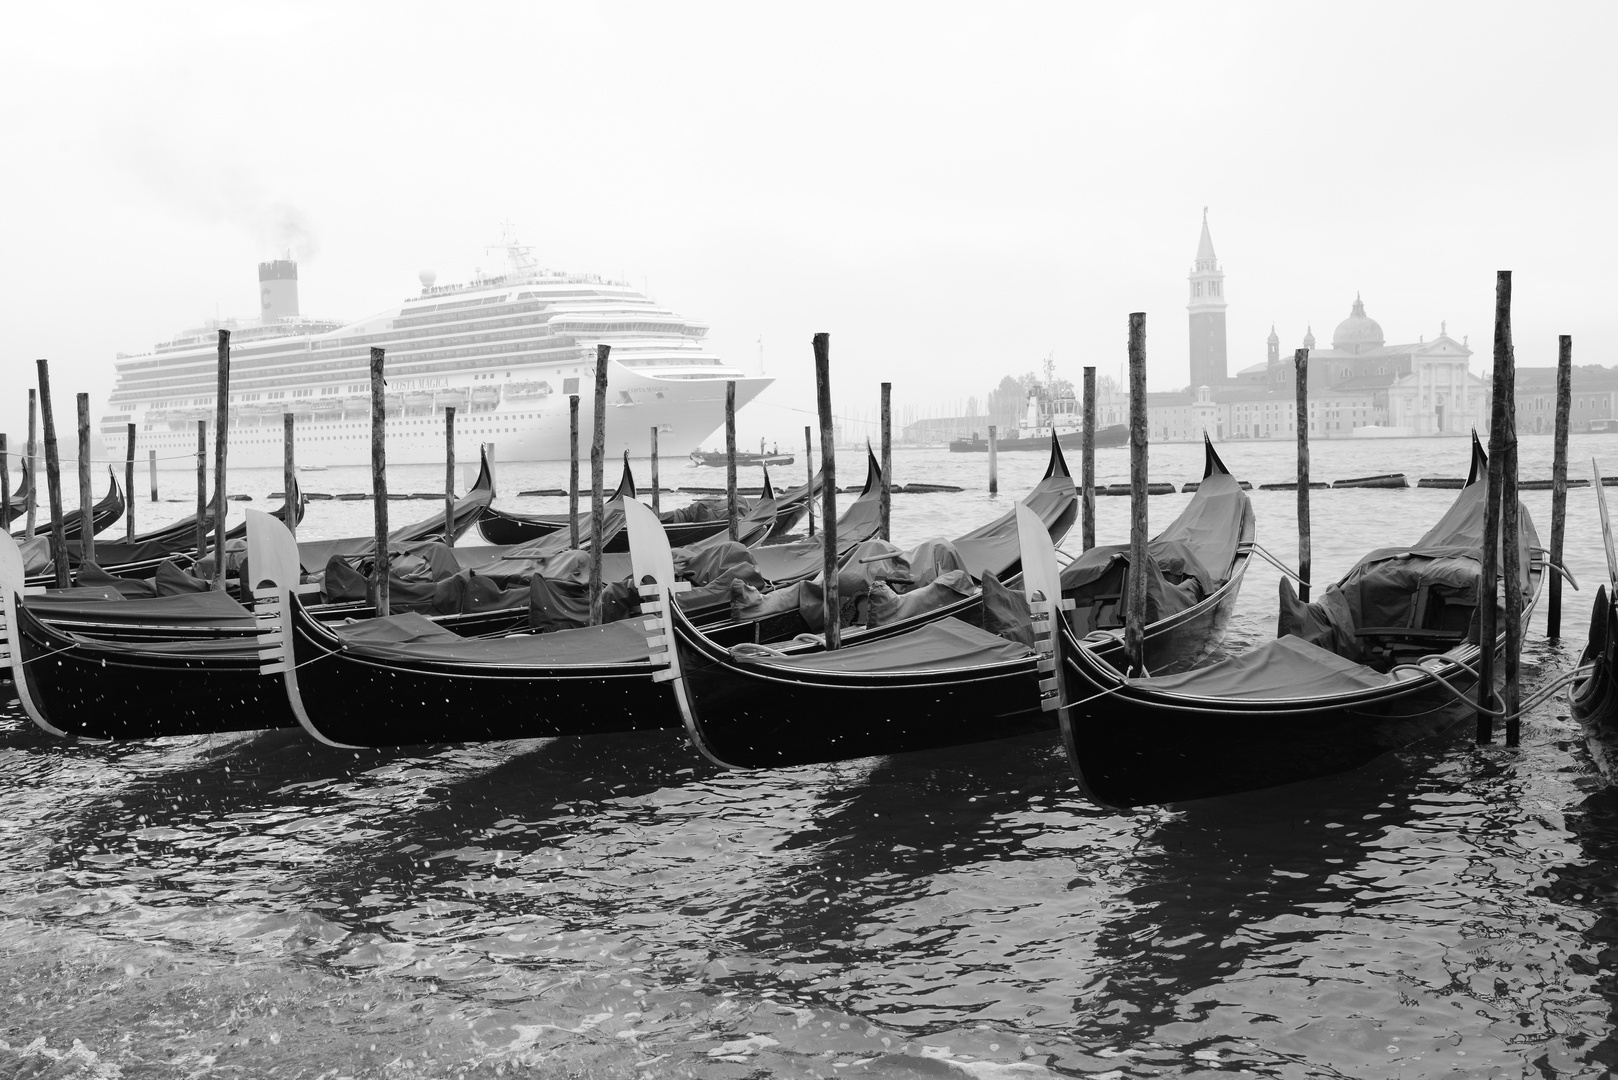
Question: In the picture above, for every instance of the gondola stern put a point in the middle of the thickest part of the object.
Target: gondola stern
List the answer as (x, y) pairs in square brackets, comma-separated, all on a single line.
[(1212, 463), (1058, 462), (873, 471), (1480, 461)]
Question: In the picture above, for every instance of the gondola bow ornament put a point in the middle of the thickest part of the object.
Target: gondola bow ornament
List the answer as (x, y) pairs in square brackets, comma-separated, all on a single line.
[(1042, 587)]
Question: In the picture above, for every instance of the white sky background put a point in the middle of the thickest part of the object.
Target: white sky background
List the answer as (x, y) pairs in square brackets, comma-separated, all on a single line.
[(951, 191)]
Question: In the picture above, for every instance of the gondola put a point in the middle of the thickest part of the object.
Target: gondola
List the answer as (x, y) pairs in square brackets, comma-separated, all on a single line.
[(1381, 660), (107, 510), (400, 680), (717, 459), (82, 687), (507, 528), (1384, 480), (750, 708), (1593, 696)]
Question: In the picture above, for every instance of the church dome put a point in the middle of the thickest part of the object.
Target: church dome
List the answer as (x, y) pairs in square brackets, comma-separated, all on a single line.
[(1358, 333)]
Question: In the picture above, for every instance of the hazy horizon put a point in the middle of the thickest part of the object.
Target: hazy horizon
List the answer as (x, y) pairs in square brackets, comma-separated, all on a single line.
[(952, 192)]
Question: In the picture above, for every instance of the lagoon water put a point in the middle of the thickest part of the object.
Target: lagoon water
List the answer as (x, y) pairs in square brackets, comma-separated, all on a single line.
[(237, 905)]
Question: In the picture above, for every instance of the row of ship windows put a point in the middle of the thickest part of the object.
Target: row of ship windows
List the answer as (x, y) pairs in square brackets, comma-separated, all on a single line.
[(416, 367)]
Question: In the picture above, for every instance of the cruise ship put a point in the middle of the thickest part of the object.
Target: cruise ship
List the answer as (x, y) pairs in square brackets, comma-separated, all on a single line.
[(506, 350)]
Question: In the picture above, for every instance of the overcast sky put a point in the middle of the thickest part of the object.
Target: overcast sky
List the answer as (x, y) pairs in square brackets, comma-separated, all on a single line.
[(951, 191)]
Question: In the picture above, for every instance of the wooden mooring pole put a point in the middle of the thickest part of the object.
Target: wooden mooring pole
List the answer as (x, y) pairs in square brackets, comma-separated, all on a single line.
[(221, 445), (1300, 360), (87, 499), (994, 464), (573, 469), (809, 472), (828, 494), (1511, 568), (129, 483), (1564, 408), (1087, 464), (379, 479), (151, 471), (200, 539), (656, 505), (53, 477), (730, 457), (449, 475), (33, 472), (885, 499), (1488, 579), (5, 480), (289, 471), (598, 453), (1135, 616)]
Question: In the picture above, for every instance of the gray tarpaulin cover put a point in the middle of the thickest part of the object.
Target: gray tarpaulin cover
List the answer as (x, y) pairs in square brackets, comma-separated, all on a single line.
[(586, 646), (945, 644), (994, 548), (212, 609), (1284, 669), (887, 606)]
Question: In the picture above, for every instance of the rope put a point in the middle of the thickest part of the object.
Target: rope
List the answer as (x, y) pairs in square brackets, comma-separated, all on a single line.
[(1277, 563)]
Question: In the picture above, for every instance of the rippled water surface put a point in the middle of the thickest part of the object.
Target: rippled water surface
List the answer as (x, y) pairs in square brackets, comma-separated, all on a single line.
[(617, 907)]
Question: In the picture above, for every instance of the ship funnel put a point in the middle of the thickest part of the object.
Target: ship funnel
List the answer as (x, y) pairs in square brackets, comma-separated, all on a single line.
[(277, 290)]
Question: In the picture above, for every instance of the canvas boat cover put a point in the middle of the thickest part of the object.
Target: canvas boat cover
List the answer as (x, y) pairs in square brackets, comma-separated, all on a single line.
[(621, 642), (1432, 585), (211, 609), (940, 646), (1285, 669)]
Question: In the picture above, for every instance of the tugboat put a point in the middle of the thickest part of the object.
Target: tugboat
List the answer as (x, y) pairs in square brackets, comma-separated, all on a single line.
[(1052, 410)]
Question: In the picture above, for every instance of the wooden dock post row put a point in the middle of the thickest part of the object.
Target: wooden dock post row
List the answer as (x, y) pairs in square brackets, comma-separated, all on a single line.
[(221, 443), (828, 494), (53, 476), (1087, 464), (598, 453), (1300, 360), (1135, 615), (379, 478), (87, 529), (1564, 407)]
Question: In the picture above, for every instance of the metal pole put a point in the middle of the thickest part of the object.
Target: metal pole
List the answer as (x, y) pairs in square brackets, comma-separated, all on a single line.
[(1300, 360), (828, 495), (379, 478), (1135, 618)]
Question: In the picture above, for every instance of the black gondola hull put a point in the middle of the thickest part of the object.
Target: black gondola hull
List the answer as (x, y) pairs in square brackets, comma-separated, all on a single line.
[(749, 716), (91, 690), (352, 701), (1594, 698)]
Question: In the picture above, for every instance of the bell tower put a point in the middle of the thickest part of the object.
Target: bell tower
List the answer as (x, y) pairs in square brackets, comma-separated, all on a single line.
[(1207, 314)]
